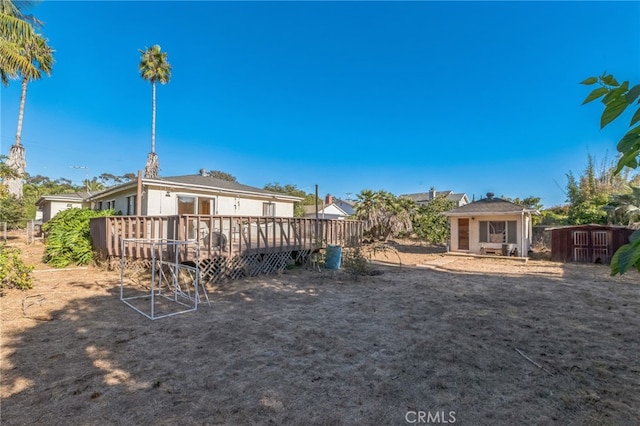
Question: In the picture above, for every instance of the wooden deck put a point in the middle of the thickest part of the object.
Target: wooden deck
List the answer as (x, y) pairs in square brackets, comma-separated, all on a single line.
[(220, 236)]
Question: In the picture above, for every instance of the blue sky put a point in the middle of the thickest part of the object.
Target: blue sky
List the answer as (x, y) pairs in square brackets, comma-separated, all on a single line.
[(475, 97)]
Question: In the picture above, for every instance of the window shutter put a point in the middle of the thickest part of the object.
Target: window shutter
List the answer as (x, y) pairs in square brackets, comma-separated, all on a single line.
[(512, 234), (483, 232)]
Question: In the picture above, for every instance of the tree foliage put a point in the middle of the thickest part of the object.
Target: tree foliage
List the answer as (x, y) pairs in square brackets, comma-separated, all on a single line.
[(626, 207), (429, 224), (15, 27), (221, 175), (616, 98), (384, 214), (68, 237), (589, 194), (293, 190)]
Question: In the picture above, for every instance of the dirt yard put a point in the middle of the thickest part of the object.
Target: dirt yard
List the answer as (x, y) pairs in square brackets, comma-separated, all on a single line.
[(456, 340)]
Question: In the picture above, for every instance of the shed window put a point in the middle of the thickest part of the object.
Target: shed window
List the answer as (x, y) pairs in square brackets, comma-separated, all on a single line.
[(498, 231)]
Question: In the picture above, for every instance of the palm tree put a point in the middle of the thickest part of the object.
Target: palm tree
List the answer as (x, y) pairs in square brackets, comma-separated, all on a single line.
[(14, 27), (384, 213), (628, 205), (153, 67), (40, 57)]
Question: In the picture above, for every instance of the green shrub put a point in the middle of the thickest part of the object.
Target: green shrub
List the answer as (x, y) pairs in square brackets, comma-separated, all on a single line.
[(12, 211), (68, 237), (13, 272), (355, 262)]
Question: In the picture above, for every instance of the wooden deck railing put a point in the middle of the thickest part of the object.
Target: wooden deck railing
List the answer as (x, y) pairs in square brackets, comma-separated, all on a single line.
[(222, 235)]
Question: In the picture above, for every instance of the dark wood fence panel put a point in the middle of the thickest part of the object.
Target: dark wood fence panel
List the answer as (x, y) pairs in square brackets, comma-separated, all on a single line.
[(587, 243)]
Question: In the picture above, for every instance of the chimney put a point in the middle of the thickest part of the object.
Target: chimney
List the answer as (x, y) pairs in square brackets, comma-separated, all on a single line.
[(490, 195), (432, 193), (328, 200)]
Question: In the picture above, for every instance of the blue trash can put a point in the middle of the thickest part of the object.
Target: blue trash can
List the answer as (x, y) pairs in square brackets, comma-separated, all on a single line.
[(333, 257)]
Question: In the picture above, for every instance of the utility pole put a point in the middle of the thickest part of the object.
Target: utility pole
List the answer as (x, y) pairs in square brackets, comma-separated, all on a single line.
[(317, 223)]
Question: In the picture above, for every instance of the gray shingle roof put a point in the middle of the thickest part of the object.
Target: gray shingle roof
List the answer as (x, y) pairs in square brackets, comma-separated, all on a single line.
[(214, 182), (204, 182), (489, 205), (74, 197), (421, 197)]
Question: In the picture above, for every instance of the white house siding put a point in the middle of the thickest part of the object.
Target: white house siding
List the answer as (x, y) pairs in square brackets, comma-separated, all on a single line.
[(119, 200), (331, 212), (164, 202), (54, 207), (523, 232)]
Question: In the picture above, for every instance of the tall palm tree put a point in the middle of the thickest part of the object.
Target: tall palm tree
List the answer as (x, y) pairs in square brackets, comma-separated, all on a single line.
[(153, 67), (40, 57), (14, 26)]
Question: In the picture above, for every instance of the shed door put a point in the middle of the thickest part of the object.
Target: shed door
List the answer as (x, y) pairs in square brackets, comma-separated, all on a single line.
[(581, 252), (463, 234), (600, 242)]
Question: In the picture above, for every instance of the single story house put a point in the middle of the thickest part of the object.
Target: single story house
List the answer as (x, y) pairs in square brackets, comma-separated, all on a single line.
[(423, 198), (192, 194), (332, 208), (50, 205), (587, 243), (491, 226)]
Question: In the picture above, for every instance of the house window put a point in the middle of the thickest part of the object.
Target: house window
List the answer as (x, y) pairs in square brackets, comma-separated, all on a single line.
[(268, 209), (99, 206), (131, 205), (206, 206), (498, 231), (186, 205), (107, 205)]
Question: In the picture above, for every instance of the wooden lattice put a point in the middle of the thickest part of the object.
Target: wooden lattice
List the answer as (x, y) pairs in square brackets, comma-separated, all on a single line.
[(221, 268)]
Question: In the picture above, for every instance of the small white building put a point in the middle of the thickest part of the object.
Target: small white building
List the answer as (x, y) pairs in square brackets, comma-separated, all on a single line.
[(50, 205), (331, 208), (192, 194), (491, 226)]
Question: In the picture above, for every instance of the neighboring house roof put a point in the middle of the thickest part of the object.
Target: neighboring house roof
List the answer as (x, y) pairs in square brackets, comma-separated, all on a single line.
[(345, 207), (489, 206), (76, 197), (425, 197), (202, 183)]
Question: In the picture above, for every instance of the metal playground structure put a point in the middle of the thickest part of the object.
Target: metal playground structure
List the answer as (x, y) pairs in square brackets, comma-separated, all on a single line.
[(174, 286)]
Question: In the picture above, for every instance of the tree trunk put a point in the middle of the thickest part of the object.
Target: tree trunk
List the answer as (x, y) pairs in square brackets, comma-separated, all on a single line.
[(151, 169), (153, 116), (16, 159)]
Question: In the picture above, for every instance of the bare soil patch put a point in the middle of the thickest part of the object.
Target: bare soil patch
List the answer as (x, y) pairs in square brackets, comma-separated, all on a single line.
[(309, 347)]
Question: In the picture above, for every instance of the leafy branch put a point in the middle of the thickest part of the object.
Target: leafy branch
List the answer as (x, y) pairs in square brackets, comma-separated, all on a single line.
[(616, 98)]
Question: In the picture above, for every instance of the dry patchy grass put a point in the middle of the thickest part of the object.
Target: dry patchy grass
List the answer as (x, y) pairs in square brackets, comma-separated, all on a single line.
[(310, 347)]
